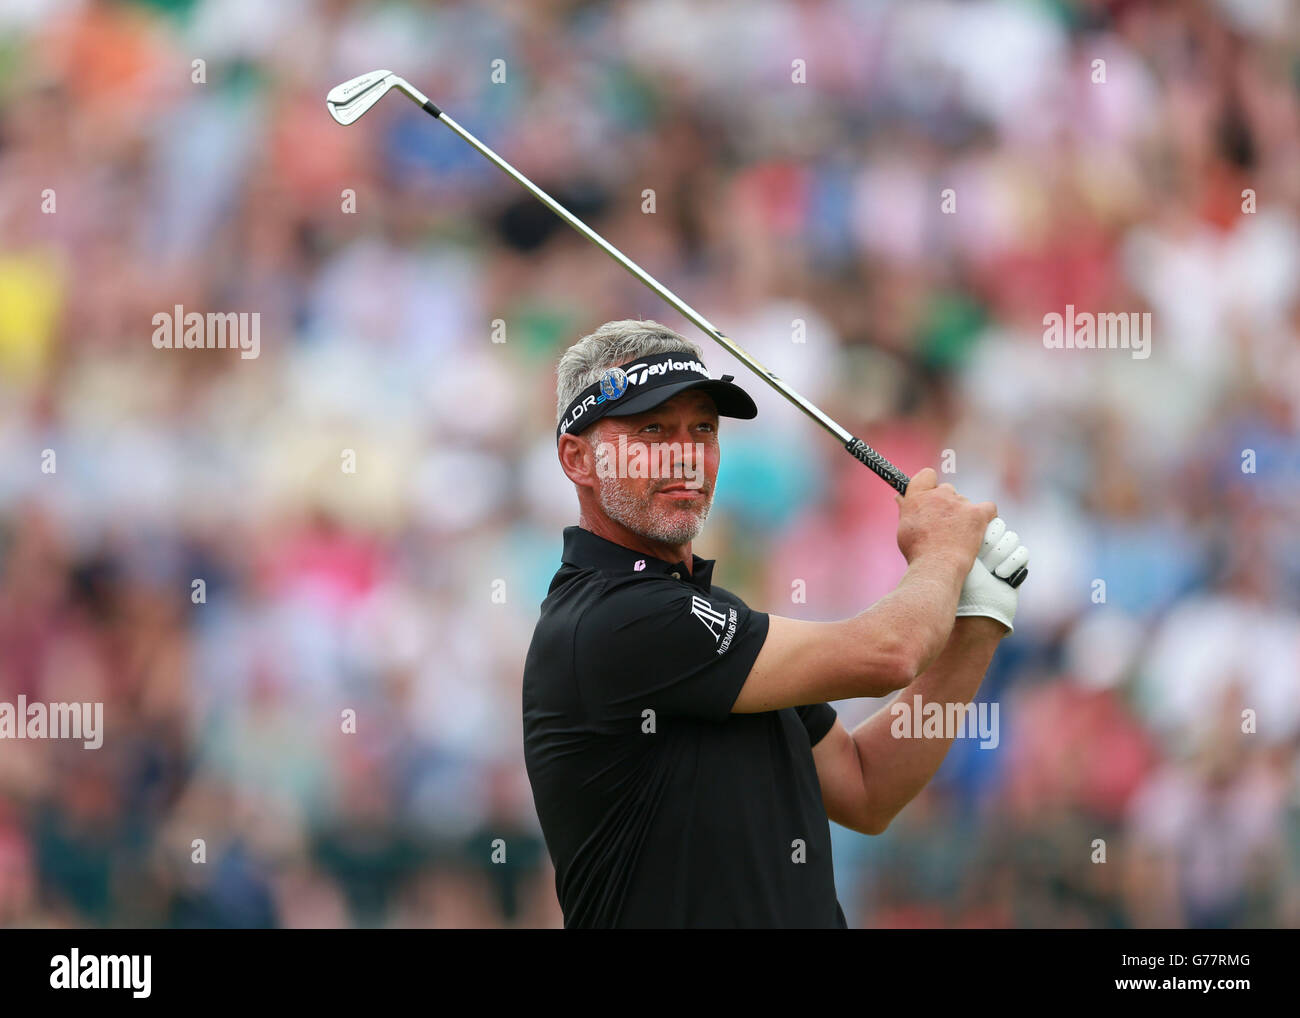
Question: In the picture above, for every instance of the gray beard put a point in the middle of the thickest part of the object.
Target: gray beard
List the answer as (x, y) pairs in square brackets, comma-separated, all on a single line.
[(645, 519)]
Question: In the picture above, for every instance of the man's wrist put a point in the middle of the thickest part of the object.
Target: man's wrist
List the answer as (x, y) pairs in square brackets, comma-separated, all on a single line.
[(979, 628), (945, 563)]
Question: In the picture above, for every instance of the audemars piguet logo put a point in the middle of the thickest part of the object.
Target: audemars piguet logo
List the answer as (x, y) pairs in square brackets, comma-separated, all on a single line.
[(715, 622), (713, 619), (731, 631)]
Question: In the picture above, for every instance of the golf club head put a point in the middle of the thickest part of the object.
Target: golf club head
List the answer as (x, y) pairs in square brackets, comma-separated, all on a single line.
[(348, 101)]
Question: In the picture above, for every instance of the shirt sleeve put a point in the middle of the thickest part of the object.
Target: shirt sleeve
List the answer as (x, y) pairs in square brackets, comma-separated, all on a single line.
[(667, 647), (818, 719)]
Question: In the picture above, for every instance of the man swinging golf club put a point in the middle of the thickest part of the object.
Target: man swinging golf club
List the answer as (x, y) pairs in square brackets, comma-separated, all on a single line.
[(683, 758), (682, 754)]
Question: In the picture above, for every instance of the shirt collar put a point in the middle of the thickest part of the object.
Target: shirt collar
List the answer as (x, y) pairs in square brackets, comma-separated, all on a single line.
[(583, 548)]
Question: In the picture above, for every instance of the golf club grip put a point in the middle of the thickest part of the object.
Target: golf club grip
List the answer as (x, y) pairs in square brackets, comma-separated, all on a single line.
[(899, 482), (881, 466)]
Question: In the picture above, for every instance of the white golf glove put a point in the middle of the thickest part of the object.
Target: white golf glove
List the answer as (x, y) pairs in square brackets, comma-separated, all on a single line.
[(986, 591)]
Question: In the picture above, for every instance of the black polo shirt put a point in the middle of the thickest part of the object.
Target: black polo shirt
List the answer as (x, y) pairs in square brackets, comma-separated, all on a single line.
[(660, 807)]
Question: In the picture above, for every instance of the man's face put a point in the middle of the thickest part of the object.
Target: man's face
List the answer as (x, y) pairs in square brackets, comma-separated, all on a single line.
[(656, 470)]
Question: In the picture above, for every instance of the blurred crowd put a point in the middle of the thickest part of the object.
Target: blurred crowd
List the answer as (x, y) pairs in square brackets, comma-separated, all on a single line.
[(879, 200)]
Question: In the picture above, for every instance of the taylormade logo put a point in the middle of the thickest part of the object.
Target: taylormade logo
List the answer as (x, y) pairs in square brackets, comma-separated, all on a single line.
[(638, 373), (75, 971), (361, 86)]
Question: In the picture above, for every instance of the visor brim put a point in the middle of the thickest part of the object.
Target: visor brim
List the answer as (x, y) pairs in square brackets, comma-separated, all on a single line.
[(730, 399)]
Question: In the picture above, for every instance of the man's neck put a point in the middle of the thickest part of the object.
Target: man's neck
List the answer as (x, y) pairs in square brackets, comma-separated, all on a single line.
[(612, 530)]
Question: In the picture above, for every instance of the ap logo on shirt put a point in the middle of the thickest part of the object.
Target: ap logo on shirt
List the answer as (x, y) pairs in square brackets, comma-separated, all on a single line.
[(713, 619)]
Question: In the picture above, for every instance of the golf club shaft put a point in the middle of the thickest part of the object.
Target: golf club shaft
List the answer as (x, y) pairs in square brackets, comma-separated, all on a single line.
[(856, 446), (886, 469)]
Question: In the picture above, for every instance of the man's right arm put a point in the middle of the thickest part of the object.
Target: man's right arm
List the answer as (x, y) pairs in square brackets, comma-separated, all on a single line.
[(872, 654), (885, 647)]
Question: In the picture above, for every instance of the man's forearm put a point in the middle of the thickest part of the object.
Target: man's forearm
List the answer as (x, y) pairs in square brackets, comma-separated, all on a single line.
[(894, 769), (923, 607)]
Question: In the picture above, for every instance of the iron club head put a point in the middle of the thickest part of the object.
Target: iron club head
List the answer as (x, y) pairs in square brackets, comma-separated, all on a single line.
[(348, 101)]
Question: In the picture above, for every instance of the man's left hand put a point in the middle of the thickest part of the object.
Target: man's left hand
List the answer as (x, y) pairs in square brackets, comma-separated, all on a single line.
[(986, 591)]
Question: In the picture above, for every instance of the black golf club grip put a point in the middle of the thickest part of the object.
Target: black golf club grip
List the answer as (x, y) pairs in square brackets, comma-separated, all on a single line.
[(899, 482)]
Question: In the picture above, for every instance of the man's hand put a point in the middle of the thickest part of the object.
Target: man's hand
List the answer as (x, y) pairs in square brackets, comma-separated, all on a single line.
[(935, 520), (985, 591)]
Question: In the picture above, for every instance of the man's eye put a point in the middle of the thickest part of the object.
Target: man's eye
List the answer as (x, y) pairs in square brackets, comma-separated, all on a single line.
[(707, 426), (650, 427)]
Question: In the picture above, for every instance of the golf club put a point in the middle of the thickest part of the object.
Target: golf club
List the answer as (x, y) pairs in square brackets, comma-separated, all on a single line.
[(349, 101)]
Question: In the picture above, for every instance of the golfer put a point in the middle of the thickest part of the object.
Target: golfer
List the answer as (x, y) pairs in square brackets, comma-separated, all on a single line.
[(683, 757)]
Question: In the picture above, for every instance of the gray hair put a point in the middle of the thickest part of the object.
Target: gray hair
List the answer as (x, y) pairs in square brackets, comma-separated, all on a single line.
[(612, 344)]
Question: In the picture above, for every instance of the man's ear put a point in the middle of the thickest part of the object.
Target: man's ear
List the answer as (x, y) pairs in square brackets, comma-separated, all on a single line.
[(578, 460)]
